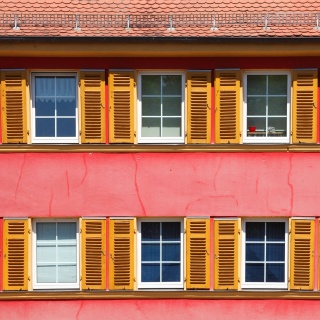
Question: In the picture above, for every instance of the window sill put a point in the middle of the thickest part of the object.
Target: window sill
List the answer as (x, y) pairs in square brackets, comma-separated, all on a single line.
[(157, 294)]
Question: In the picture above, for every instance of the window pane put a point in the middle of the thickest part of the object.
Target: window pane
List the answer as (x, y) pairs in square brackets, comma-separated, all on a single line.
[(45, 127), (44, 107), (276, 231), (65, 86), (256, 84), (171, 106), (254, 272), (67, 253), (277, 84), (45, 86), (46, 274), (275, 252), (275, 272), (277, 124), (150, 252), (255, 231), (66, 127), (150, 231), (151, 127), (150, 272), (46, 253), (171, 252), (67, 274), (67, 231), (254, 252), (151, 106), (277, 106), (151, 85), (259, 123), (46, 231), (171, 272), (171, 85), (171, 127), (171, 231), (66, 107), (256, 106)]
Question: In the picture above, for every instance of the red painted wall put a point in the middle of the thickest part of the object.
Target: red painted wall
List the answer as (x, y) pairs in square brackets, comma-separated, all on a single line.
[(161, 309), (150, 184)]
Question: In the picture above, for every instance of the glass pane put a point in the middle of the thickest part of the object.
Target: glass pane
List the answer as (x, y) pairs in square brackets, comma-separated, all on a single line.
[(150, 231), (275, 272), (277, 84), (151, 106), (254, 252), (171, 252), (256, 84), (45, 127), (67, 231), (254, 272), (67, 274), (150, 252), (46, 274), (171, 231), (66, 107), (277, 106), (277, 125), (171, 106), (276, 231), (45, 86), (150, 272), (259, 124), (171, 272), (171, 127), (46, 231), (171, 85), (255, 231), (66, 127), (44, 107), (67, 253), (151, 84), (66, 86), (256, 106), (275, 252), (46, 253), (151, 127)]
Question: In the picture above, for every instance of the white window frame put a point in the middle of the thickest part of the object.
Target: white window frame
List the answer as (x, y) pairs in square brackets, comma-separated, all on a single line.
[(161, 285), (36, 285), (248, 139), (33, 114), (180, 139), (264, 285)]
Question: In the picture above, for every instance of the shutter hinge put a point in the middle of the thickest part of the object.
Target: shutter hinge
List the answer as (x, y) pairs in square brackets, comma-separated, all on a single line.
[(135, 134), (186, 134), (80, 132), (291, 133), (134, 84), (80, 278), (29, 278), (28, 132), (80, 231), (208, 106), (240, 133), (29, 231)]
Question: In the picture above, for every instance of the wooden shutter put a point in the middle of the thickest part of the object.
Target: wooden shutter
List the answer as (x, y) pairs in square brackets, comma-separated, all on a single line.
[(13, 101), (198, 254), (227, 106), (199, 106), (121, 254), (304, 113), (302, 255), (15, 255), (226, 254), (121, 106), (93, 111), (93, 243)]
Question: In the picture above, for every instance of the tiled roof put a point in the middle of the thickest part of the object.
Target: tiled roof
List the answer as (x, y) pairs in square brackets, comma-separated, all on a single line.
[(160, 18)]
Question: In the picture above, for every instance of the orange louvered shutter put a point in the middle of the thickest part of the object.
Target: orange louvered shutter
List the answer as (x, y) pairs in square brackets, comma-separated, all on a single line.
[(15, 255), (226, 254), (13, 101), (198, 254), (93, 111), (227, 106), (121, 254), (121, 99), (199, 106), (304, 113), (302, 255), (93, 243)]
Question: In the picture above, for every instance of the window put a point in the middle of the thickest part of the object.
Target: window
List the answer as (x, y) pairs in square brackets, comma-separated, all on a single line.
[(56, 257), (161, 107), (160, 254), (266, 107), (54, 108), (265, 254)]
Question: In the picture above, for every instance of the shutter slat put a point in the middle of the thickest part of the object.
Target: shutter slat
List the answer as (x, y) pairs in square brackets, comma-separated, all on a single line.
[(93, 237), (121, 106), (199, 111), (198, 254), (121, 255), (14, 122), (15, 257), (92, 84), (302, 254), (304, 113), (226, 254), (227, 103)]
